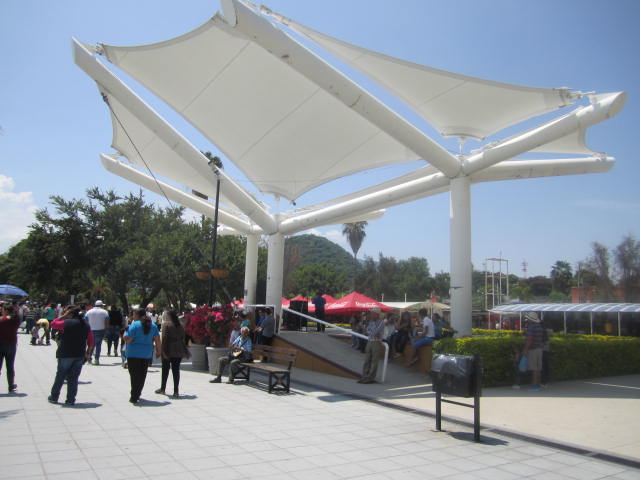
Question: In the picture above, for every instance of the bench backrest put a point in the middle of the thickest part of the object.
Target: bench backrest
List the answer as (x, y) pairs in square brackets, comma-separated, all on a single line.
[(286, 355)]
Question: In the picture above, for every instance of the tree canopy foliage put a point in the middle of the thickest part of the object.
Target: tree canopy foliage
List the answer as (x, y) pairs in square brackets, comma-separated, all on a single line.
[(121, 249)]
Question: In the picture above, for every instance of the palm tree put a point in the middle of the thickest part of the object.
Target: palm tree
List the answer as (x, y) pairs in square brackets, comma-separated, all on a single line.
[(355, 235)]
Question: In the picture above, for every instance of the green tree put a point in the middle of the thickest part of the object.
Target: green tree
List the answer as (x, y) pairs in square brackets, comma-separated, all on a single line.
[(627, 260), (596, 272), (561, 275), (442, 284), (313, 279)]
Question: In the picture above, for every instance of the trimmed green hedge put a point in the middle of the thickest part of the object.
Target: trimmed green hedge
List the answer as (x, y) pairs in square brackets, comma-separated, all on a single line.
[(572, 356)]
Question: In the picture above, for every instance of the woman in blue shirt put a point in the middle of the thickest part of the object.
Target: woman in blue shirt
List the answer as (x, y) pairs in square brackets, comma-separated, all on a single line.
[(140, 338)]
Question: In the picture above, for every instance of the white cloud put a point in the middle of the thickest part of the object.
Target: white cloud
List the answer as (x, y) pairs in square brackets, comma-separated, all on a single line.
[(16, 214)]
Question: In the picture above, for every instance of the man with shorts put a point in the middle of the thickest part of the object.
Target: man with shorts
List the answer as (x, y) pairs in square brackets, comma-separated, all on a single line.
[(533, 343)]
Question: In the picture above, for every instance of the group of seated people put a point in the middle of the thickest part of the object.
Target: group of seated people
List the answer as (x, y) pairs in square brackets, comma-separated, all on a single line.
[(400, 331)]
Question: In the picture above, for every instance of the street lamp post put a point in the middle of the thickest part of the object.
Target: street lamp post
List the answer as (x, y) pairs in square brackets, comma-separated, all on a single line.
[(215, 230)]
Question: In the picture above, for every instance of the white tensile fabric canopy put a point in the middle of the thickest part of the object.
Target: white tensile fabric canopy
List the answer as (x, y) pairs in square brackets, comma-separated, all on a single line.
[(457, 105), (292, 122), (283, 131), (143, 148)]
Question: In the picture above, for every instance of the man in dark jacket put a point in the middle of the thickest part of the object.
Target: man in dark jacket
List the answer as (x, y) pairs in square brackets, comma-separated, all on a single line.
[(76, 342)]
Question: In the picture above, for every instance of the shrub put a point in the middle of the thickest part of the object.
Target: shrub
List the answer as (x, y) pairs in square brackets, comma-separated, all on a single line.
[(572, 356)]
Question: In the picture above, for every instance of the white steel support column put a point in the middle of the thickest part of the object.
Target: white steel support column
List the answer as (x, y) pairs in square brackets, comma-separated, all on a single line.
[(251, 270), (460, 243), (275, 271)]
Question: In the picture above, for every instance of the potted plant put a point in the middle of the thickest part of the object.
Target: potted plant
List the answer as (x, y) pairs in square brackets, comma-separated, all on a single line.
[(196, 328), (218, 327)]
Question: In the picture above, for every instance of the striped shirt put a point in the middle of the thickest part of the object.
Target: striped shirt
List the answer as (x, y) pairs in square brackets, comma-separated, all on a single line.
[(375, 329), (535, 333)]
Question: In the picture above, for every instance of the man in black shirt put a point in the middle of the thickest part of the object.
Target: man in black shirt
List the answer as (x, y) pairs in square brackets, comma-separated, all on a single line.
[(74, 347)]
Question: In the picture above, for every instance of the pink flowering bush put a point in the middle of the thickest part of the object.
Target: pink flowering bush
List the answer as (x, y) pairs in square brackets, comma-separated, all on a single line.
[(207, 325)]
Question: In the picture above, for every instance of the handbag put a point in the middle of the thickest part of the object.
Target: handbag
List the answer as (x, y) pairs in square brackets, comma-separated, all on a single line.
[(241, 355), (522, 366)]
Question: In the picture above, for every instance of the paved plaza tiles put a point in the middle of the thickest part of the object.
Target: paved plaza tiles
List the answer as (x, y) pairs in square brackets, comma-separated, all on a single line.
[(238, 431)]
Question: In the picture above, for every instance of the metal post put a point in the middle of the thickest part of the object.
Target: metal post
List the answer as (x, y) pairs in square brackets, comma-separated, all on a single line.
[(476, 398), (438, 411), (215, 237)]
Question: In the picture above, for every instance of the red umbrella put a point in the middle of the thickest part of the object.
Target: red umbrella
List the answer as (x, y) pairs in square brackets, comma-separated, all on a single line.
[(299, 298), (354, 303), (285, 302)]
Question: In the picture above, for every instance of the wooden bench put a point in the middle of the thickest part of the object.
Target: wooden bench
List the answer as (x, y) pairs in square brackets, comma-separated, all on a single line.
[(279, 373)]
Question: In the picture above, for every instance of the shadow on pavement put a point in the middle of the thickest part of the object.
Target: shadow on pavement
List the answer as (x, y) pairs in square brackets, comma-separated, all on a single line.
[(13, 394), (151, 403), (468, 437), (82, 405), (8, 413)]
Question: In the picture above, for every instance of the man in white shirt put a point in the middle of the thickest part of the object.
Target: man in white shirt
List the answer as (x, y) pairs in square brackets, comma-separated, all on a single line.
[(428, 334), (98, 319)]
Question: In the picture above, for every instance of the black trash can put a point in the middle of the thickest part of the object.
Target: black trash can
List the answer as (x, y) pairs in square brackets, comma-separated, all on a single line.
[(460, 376), (454, 375)]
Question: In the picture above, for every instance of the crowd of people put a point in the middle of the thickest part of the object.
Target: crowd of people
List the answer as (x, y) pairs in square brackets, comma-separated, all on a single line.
[(79, 331)]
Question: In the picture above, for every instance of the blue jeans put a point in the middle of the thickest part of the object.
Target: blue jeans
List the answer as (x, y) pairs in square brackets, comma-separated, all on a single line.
[(98, 336), (69, 369), (423, 341), (113, 337), (8, 355)]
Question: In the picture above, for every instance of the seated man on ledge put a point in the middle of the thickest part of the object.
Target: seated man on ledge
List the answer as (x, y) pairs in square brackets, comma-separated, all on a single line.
[(428, 334), (240, 352)]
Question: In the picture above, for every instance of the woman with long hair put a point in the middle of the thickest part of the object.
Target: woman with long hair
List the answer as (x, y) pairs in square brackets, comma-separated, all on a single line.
[(174, 349), (140, 338)]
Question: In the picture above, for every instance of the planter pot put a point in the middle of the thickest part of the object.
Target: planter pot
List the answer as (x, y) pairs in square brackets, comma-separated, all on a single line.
[(213, 354), (198, 356)]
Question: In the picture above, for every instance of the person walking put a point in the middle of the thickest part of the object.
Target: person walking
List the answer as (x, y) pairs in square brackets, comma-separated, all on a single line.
[(533, 343), (173, 350), (9, 323), (33, 315), (99, 322), (140, 338), (113, 331), (74, 347), (374, 350)]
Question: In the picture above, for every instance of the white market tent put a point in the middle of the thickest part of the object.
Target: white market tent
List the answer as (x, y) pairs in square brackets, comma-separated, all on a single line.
[(570, 308), (291, 122)]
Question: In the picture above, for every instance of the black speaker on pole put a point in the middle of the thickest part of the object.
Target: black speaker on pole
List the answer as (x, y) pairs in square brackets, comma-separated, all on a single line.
[(293, 321)]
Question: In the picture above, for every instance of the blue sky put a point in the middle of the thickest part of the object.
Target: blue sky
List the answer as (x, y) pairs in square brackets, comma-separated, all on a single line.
[(54, 124)]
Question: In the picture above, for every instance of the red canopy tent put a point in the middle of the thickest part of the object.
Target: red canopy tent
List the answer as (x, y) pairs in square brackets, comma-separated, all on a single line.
[(354, 303)]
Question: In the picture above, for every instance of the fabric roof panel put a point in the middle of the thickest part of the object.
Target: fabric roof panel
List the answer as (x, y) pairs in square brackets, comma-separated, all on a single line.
[(296, 136), (455, 104), (156, 155), (164, 66)]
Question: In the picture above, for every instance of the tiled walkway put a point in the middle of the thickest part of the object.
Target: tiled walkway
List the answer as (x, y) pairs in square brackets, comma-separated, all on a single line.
[(226, 431)]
